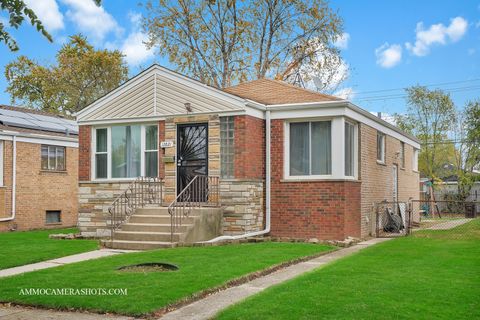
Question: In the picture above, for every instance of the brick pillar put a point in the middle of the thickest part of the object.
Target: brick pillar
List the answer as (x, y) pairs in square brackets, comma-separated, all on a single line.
[(84, 158)]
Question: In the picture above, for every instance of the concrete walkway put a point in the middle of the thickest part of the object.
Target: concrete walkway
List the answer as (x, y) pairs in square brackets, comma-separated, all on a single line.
[(207, 308), (449, 224), (61, 261)]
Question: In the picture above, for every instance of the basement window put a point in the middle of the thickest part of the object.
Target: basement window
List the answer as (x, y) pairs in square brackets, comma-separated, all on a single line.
[(380, 147), (53, 216)]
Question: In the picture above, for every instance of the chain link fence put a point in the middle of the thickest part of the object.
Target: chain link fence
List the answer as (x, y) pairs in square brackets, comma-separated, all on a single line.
[(396, 219)]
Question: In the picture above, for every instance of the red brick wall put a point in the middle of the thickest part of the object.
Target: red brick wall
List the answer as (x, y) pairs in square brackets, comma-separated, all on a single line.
[(310, 209), (84, 158), (249, 142), (161, 152)]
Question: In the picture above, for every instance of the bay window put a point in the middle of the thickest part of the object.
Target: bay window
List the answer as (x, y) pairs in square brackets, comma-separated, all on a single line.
[(126, 151), (310, 148)]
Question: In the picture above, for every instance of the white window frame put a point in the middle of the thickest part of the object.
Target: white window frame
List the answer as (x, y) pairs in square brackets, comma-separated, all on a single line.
[(384, 146), (143, 140), (415, 159), (355, 150), (93, 149), (337, 151)]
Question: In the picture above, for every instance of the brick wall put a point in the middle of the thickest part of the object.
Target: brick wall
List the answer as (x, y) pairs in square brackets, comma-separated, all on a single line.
[(249, 147), (37, 190), (84, 147), (377, 179), (323, 209)]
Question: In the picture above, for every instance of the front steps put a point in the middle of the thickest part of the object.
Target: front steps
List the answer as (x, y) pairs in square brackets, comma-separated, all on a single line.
[(149, 228)]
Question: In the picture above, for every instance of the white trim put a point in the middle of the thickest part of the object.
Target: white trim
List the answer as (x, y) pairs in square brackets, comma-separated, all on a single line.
[(73, 143), (355, 149)]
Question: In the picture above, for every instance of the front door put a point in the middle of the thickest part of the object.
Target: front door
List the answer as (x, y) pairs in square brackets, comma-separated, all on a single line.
[(192, 156)]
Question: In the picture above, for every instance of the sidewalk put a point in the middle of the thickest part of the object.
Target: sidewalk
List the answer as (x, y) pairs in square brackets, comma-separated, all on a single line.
[(61, 261), (207, 308)]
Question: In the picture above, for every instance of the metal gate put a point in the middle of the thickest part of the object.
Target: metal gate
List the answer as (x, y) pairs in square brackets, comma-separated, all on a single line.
[(396, 218)]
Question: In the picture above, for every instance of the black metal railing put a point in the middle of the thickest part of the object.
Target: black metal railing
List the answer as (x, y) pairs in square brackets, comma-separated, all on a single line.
[(141, 192), (199, 192)]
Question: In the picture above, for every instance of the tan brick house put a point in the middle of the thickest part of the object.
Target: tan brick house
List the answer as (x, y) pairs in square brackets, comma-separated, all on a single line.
[(290, 162), (38, 170)]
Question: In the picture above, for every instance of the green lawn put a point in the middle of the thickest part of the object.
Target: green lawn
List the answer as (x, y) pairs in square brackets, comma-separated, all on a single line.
[(200, 268), (24, 247), (430, 275)]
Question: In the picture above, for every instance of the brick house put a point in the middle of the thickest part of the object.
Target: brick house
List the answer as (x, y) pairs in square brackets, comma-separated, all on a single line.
[(38, 170), (291, 162)]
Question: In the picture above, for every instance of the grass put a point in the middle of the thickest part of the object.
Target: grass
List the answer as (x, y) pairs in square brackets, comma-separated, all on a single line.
[(430, 275), (200, 268), (25, 247)]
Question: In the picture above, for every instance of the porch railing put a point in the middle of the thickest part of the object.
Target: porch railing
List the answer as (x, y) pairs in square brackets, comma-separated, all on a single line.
[(200, 191), (141, 192)]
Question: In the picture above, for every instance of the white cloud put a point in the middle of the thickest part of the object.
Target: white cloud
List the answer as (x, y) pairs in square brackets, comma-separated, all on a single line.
[(388, 56), (345, 93), (47, 11), (437, 34), (133, 46), (90, 19), (342, 41)]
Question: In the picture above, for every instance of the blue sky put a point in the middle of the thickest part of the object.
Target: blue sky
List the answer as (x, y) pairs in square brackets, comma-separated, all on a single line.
[(387, 44)]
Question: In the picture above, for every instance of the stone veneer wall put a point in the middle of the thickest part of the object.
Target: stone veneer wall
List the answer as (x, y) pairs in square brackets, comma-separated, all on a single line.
[(94, 200), (243, 204)]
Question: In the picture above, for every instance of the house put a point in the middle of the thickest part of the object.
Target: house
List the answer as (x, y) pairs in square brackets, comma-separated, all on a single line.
[(290, 162), (38, 170)]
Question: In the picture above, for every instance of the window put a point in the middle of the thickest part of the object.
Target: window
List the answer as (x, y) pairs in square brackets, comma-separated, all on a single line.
[(151, 151), (415, 160), (402, 155), (53, 158), (380, 147), (227, 147), (349, 149), (310, 148), (126, 151), (53, 216), (101, 156)]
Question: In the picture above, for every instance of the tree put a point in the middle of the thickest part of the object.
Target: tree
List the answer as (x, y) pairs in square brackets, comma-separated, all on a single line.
[(430, 115), (221, 42), (80, 76), (18, 11)]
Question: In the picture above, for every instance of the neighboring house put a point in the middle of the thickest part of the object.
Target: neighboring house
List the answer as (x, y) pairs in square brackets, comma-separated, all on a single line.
[(38, 170), (328, 160)]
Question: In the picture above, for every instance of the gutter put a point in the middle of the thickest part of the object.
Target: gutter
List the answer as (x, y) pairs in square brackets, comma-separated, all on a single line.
[(267, 189), (14, 180)]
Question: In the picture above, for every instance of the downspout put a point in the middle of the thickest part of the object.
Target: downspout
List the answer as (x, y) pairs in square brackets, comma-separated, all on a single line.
[(14, 179), (267, 189)]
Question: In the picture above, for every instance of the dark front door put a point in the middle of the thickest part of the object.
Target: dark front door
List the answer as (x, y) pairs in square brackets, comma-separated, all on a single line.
[(192, 158)]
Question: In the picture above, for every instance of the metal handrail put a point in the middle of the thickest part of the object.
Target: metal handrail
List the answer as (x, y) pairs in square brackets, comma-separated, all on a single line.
[(142, 191), (200, 191)]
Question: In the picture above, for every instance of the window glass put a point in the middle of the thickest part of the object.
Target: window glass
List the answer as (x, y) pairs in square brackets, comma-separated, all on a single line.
[(321, 148), (53, 216), (402, 154), (126, 151), (102, 140), (101, 166), (380, 147), (44, 157), (60, 155), (349, 149), (151, 138), (299, 148), (151, 164)]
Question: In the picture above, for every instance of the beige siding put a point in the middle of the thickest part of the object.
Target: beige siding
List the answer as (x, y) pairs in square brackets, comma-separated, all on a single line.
[(157, 94)]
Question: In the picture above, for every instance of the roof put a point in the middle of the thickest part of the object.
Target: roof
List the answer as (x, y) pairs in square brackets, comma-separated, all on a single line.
[(26, 120), (272, 92)]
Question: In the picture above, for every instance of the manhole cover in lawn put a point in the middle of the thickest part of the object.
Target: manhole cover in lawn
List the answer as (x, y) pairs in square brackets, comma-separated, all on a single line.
[(149, 267)]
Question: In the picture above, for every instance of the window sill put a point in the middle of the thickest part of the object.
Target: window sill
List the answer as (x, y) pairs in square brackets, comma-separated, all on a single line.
[(54, 224), (287, 180), (382, 163)]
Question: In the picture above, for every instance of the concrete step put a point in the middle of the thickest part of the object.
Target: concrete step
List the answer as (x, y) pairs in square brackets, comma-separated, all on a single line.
[(146, 236), (152, 211), (156, 219), (153, 227), (137, 245)]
